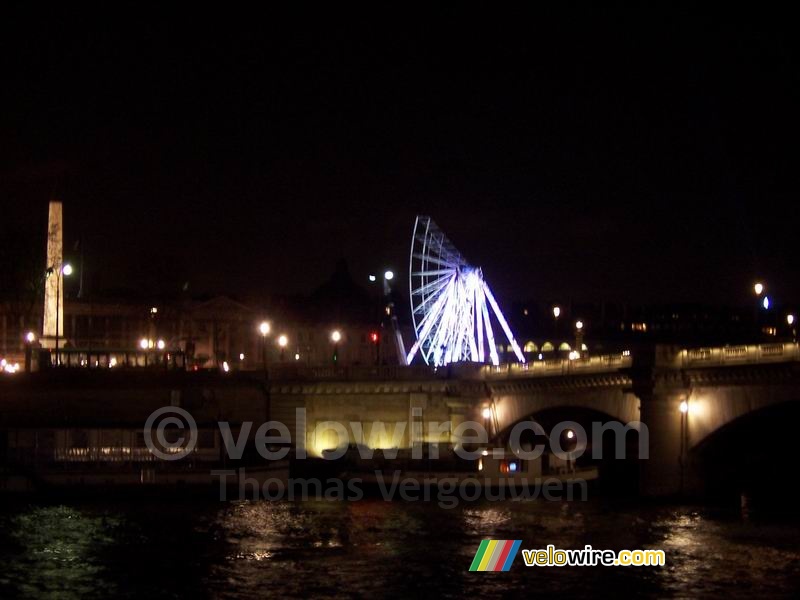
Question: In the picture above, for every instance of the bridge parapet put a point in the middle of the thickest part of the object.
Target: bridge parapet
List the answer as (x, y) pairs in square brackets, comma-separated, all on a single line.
[(606, 363), (737, 355)]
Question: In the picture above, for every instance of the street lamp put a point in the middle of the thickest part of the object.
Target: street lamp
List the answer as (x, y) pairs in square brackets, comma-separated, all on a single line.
[(388, 275), (64, 269), (336, 337), (758, 289), (579, 338), (264, 329), (790, 320), (282, 341), (486, 413), (556, 314), (683, 407)]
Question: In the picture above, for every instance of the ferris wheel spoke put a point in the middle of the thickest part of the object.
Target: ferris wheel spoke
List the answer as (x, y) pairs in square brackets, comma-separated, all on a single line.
[(426, 324), (489, 333), (433, 272), (435, 260), (450, 302), (436, 283), (506, 329)]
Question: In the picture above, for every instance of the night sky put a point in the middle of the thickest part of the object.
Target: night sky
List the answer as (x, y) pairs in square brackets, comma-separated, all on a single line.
[(595, 155)]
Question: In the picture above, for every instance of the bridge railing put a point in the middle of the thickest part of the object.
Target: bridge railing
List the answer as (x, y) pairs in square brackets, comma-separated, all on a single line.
[(357, 373), (604, 363), (742, 354)]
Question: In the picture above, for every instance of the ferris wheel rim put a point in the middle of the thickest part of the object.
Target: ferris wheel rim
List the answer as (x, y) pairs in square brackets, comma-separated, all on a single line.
[(429, 247)]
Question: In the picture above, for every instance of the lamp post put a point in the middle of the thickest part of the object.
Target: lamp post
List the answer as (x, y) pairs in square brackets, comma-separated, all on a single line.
[(386, 305), (579, 338), (683, 407), (758, 290), (556, 314), (264, 329), (486, 413), (30, 338), (282, 341), (336, 337), (62, 270)]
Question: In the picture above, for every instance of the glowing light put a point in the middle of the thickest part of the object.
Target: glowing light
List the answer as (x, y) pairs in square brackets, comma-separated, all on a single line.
[(297, 356), (7, 367), (154, 310), (161, 344), (264, 328), (143, 344), (765, 303), (758, 288), (67, 269), (684, 407), (112, 363), (789, 320), (372, 278), (282, 341), (487, 413), (373, 337), (336, 336), (480, 464), (556, 311), (578, 325), (389, 275), (30, 337), (241, 356), (450, 303), (570, 434), (574, 355), (225, 366), (484, 453), (512, 466)]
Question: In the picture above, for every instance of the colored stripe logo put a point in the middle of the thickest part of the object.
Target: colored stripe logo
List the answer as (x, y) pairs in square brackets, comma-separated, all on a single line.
[(495, 555)]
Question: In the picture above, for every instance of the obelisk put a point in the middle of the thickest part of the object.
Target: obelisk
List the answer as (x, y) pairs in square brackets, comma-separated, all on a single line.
[(53, 322)]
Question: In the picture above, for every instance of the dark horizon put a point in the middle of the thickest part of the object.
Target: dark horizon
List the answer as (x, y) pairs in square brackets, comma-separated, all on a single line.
[(628, 158)]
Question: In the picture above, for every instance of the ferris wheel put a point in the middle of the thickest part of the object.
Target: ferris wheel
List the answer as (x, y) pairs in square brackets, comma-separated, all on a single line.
[(450, 303)]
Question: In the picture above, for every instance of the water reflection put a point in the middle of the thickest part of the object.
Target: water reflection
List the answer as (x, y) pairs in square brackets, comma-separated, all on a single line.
[(51, 552), (326, 549)]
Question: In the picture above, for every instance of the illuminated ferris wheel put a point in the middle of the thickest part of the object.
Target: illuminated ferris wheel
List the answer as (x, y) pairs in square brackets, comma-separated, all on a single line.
[(450, 303)]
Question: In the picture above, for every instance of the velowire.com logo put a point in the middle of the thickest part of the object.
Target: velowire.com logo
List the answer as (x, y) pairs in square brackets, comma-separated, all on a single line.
[(495, 555)]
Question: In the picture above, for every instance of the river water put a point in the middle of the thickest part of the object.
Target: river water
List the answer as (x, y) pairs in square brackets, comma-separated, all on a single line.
[(179, 547)]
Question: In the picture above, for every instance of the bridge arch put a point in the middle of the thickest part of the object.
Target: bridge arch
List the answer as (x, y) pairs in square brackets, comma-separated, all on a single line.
[(711, 409), (512, 406), (752, 453)]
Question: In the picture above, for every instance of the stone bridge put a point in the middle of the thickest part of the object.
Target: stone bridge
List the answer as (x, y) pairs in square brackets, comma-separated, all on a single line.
[(715, 387)]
